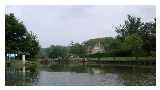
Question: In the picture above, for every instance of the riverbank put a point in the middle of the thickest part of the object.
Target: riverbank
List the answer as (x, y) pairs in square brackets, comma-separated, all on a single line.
[(106, 60), (124, 60)]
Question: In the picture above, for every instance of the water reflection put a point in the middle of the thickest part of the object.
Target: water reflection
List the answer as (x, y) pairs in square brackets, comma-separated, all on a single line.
[(20, 75), (71, 74)]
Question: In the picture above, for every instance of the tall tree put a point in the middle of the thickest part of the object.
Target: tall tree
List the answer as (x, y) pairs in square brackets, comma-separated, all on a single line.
[(148, 33), (132, 25), (137, 32), (18, 39)]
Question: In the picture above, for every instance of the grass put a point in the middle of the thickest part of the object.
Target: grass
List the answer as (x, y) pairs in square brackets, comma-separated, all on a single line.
[(123, 59)]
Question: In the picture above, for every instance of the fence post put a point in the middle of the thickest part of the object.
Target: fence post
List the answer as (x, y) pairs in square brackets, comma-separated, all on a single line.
[(23, 61)]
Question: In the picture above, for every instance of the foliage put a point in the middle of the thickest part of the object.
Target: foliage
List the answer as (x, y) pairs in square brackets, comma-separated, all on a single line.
[(132, 25), (18, 39), (77, 49), (43, 53), (133, 43), (57, 51), (32, 67), (136, 36), (148, 33)]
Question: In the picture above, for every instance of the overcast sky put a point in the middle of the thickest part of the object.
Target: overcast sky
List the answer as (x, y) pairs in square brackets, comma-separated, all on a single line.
[(59, 25)]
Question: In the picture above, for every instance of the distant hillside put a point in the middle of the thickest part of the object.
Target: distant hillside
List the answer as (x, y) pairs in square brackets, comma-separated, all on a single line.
[(103, 41)]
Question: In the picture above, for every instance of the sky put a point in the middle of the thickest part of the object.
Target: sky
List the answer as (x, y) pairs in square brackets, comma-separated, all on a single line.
[(59, 25)]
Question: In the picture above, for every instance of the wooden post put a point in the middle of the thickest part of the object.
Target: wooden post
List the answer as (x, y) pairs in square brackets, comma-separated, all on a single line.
[(23, 68), (23, 61)]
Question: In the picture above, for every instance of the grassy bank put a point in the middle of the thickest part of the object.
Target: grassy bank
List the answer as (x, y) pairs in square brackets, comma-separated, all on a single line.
[(123, 59)]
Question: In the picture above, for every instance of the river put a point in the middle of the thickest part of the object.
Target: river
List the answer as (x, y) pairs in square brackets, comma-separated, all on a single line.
[(85, 75)]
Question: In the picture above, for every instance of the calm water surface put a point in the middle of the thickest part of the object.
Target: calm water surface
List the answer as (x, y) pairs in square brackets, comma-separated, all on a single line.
[(85, 75)]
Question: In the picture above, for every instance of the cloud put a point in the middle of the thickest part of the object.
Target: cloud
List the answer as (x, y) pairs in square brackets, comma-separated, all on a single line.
[(62, 24)]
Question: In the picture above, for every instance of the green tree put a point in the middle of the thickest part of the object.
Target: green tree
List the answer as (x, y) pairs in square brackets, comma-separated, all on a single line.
[(78, 49), (135, 33), (133, 43), (57, 51), (132, 25), (148, 33), (18, 39)]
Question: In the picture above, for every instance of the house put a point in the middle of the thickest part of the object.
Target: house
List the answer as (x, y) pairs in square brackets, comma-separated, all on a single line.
[(98, 48)]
